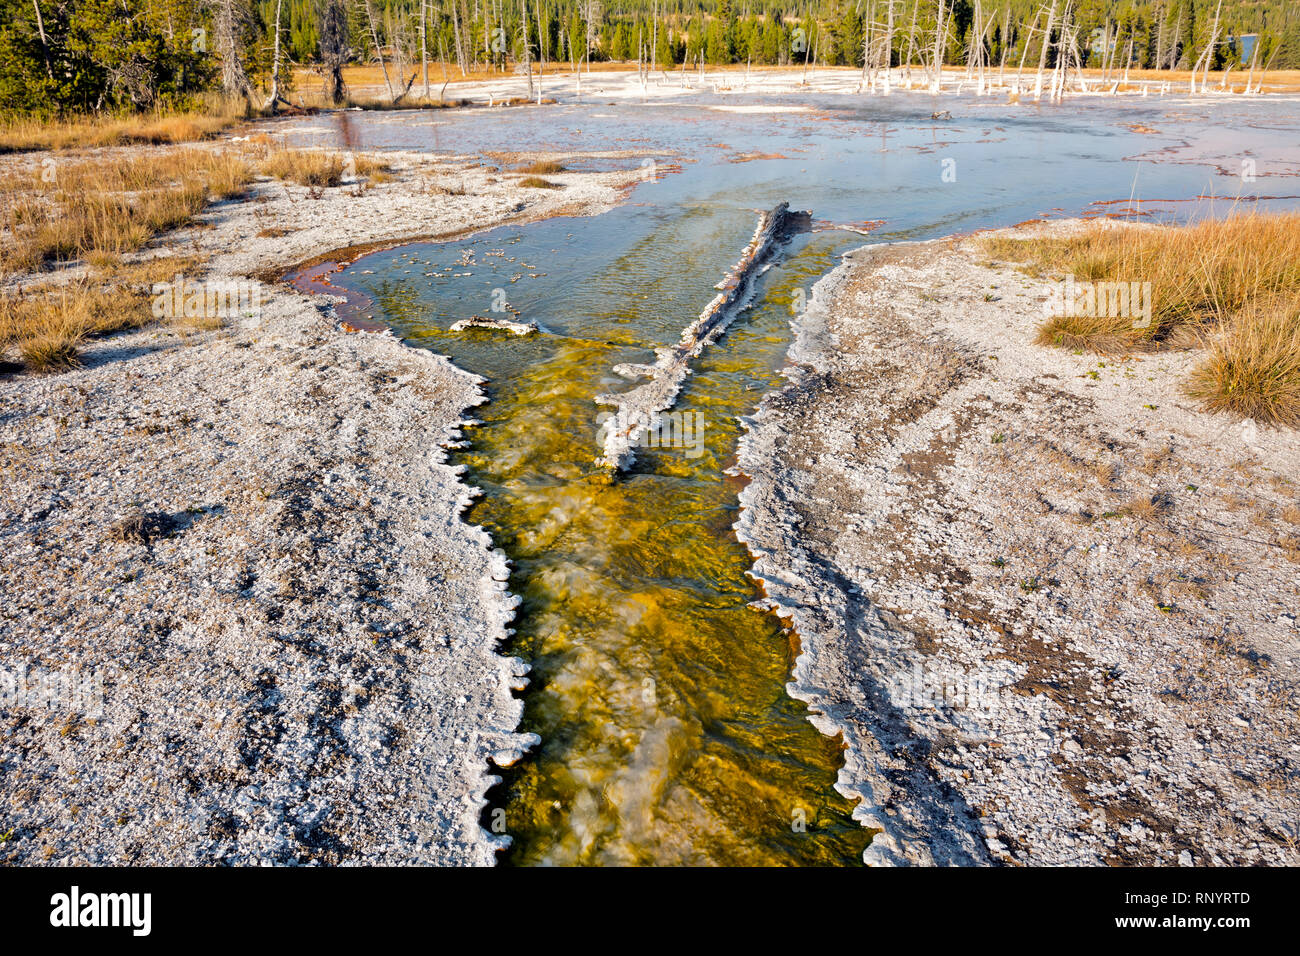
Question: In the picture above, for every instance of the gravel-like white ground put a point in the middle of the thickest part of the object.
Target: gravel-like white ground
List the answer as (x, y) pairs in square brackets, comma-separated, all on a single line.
[(244, 549), (1050, 604)]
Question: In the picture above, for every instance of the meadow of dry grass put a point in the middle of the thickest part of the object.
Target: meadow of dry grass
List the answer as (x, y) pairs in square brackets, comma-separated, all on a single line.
[(95, 211), (310, 85), (98, 209), (22, 134), (1230, 286)]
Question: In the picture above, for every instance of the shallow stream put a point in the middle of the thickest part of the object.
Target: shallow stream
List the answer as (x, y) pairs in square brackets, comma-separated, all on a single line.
[(658, 693)]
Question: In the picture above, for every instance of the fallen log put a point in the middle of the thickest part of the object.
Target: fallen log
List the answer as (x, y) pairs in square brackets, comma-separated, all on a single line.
[(639, 407), (504, 325)]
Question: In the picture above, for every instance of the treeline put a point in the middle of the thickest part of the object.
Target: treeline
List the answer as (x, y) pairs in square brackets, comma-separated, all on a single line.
[(59, 56)]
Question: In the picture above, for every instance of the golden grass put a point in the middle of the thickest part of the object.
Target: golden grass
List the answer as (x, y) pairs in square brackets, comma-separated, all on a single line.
[(541, 168), (99, 209), (1230, 286), (310, 167), (306, 167), (536, 182), (20, 134), (1253, 366), (368, 75), (47, 326)]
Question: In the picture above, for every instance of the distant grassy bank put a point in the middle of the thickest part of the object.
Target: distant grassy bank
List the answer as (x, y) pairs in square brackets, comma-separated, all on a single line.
[(98, 215), (1231, 287)]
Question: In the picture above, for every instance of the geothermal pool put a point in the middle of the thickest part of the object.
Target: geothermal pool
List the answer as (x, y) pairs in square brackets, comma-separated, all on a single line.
[(658, 692)]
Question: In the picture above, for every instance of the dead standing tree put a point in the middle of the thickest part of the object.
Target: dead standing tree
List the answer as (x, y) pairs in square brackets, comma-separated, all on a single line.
[(231, 18), (1206, 59), (276, 97), (334, 50), (379, 53), (528, 58), (940, 35), (1042, 56)]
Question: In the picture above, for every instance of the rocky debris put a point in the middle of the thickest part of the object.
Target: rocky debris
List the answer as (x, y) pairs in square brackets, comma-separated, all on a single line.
[(143, 528)]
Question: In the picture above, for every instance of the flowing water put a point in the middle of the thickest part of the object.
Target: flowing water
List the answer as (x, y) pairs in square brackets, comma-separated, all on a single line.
[(658, 692)]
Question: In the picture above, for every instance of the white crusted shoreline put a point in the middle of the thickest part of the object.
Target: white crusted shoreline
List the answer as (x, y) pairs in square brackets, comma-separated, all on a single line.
[(1097, 572), (253, 538)]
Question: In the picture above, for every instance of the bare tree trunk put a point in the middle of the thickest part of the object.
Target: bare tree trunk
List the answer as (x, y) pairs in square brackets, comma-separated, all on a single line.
[(424, 47), (455, 30), (541, 52), (1254, 56), (1207, 56), (275, 62), (45, 45), (1160, 36), (231, 15), (442, 55), (1024, 52), (334, 51), (587, 32), (911, 41), (866, 45), (940, 34), (528, 59), (654, 41), (1042, 57), (374, 38), (1106, 49), (889, 46), (1006, 32)]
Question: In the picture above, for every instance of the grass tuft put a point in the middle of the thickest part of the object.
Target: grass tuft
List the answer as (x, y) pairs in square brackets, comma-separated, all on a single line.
[(1253, 366), (47, 327), (1228, 285), (541, 168), (99, 209), (306, 167)]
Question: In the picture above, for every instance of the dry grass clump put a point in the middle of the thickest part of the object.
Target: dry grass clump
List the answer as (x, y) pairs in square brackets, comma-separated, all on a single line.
[(306, 167), (1253, 366), (314, 168), (47, 324), (98, 209), (536, 182), (373, 168), (47, 327), (1230, 285), (20, 134), (541, 168)]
